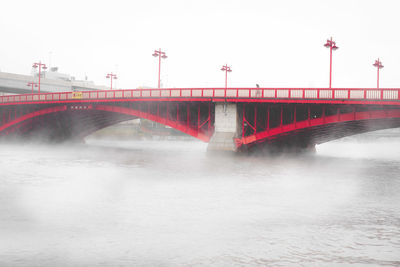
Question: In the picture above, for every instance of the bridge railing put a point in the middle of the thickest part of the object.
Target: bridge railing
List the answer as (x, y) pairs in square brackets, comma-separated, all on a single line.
[(366, 94)]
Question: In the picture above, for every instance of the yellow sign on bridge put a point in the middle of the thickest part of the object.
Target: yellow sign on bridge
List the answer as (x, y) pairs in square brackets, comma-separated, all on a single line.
[(76, 95)]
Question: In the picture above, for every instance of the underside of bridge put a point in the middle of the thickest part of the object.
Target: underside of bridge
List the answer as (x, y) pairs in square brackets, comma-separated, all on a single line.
[(239, 126), (299, 127), (58, 123)]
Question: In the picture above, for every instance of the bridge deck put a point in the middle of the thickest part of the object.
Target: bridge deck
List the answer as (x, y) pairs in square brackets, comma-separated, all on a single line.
[(388, 96)]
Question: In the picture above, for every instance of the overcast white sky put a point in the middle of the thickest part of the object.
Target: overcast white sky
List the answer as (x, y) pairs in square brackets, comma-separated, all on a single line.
[(272, 43)]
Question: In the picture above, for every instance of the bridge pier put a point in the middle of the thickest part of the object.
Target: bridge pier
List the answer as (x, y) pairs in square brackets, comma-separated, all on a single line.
[(226, 123)]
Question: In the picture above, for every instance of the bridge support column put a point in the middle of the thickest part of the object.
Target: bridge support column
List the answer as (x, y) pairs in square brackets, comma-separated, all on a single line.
[(225, 128)]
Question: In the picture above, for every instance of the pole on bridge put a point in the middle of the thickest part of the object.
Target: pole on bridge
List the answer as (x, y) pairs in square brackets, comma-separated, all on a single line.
[(378, 65), (40, 65), (32, 84), (332, 46), (111, 76), (160, 54), (227, 69)]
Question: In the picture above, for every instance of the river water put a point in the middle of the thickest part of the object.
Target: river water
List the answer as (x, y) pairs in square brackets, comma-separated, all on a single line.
[(169, 203)]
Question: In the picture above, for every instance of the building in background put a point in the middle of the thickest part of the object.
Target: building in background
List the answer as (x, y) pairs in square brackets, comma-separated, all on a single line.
[(50, 81)]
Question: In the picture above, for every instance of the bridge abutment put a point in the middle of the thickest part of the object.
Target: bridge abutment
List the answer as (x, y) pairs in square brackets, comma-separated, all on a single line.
[(225, 128)]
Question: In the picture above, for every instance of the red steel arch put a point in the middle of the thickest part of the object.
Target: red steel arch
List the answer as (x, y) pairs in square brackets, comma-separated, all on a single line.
[(321, 129), (31, 115), (92, 117), (183, 127)]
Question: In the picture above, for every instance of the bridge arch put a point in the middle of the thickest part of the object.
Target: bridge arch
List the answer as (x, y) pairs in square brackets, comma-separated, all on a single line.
[(76, 121), (315, 127), (58, 123)]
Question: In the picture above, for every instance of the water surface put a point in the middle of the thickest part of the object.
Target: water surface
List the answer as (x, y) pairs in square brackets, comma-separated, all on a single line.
[(168, 203)]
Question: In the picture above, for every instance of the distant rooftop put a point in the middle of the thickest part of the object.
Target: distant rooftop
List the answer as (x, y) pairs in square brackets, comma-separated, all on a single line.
[(50, 81)]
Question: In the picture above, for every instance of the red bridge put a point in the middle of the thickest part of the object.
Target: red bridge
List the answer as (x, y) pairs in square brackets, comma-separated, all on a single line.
[(230, 119)]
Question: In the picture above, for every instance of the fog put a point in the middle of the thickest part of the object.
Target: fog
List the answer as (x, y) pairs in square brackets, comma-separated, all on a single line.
[(384, 149), (270, 43), (169, 203)]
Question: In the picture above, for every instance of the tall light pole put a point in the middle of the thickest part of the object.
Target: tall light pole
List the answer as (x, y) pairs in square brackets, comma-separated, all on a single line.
[(378, 65), (332, 46), (111, 76), (32, 84), (226, 69), (40, 65), (160, 54)]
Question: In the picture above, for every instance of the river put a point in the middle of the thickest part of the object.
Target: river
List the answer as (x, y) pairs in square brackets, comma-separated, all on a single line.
[(169, 203)]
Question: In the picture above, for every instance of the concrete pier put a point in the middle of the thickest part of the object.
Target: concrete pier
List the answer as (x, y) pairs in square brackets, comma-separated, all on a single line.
[(225, 128)]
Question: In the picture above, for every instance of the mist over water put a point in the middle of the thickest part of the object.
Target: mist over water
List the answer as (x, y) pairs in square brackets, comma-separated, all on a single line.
[(168, 203)]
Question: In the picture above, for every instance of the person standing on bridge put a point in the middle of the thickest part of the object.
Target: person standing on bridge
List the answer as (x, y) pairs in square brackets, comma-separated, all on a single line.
[(258, 92)]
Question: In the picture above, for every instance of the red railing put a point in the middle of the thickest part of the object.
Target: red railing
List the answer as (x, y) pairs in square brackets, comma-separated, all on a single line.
[(367, 94)]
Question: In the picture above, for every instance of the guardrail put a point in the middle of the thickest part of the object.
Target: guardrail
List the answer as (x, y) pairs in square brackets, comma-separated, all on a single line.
[(367, 94)]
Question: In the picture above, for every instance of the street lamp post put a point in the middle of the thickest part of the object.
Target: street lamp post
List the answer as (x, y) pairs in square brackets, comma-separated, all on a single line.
[(378, 65), (226, 69), (160, 54), (332, 46), (40, 65), (111, 76), (32, 84)]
